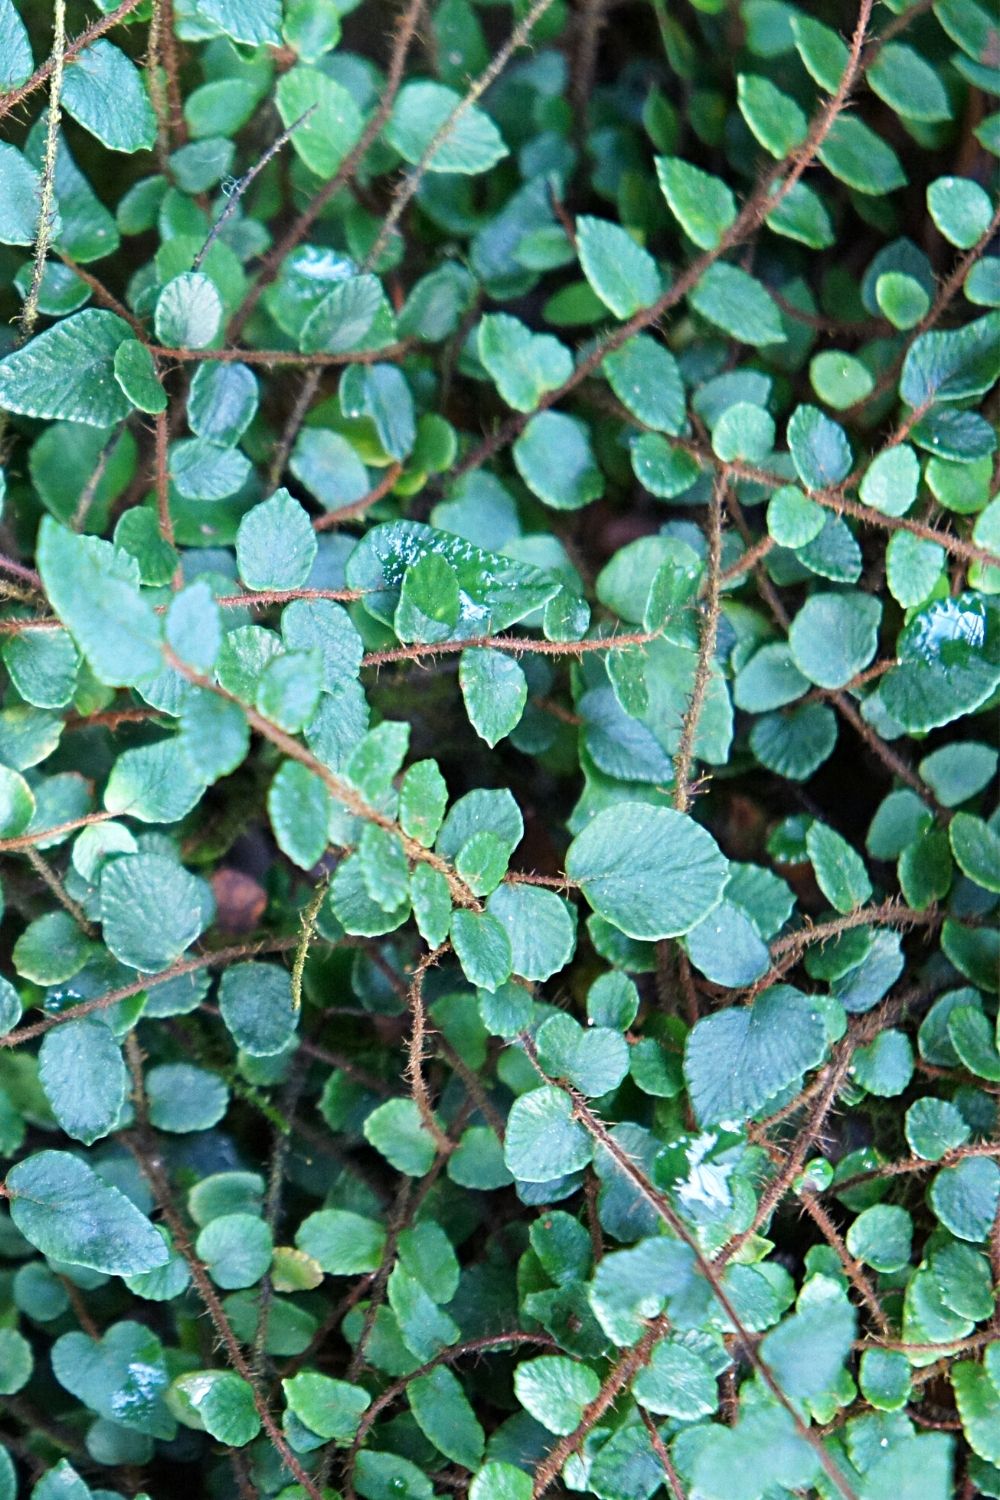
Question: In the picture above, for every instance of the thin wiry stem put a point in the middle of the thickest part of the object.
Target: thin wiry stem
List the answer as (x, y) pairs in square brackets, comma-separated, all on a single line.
[(10, 100), (709, 1269), (706, 654), (342, 790), (660, 1449), (46, 873), (852, 1268), (217, 959), (591, 20), (26, 841), (290, 431), (164, 518), (412, 180), (309, 915), (47, 192), (834, 499), (156, 86), (297, 232), (761, 202), (513, 645), (281, 356), (148, 1161), (448, 1356), (246, 181), (358, 508), (622, 1373), (415, 1063)]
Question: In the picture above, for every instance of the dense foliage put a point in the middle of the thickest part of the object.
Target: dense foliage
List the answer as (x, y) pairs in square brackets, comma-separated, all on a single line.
[(498, 605)]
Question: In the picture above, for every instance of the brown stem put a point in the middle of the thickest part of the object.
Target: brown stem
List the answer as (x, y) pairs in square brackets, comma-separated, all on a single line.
[(831, 499), (45, 871), (706, 654), (290, 431), (25, 841), (359, 507), (619, 1379), (19, 570), (852, 1267), (104, 296), (890, 758), (515, 645), (447, 1356), (81, 1311), (143, 1148), (415, 1064), (914, 1164), (283, 356), (341, 790), (397, 1223), (46, 195), (221, 956), (787, 950), (710, 1270), (172, 69), (761, 202), (780, 1183), (660, 1449), (297, 232), (590, 23), (10, 100), (409, 184), (164, 517)]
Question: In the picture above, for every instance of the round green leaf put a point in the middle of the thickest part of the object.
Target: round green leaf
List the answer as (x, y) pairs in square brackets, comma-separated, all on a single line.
[(652, 872)]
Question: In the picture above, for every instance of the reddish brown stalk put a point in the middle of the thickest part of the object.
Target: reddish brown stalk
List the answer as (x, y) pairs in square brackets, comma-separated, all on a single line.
[(448, 1356), (706, 653), (915, 1164), (297, 232), (31, 840), (409, 183), (163, 515), (515, 645), (948, 291), (890, 758), (341, 790), (590, 22), (787, 951), (401, 1216), (711, 1270), (282, 356), (761, 202), (290, 431), (172, 70), (852, 1268), (415, 1064), (267, 597), (751, 557), (619, 1379), (836, 1072), (831, 499), (45, 872), (220, 957), (19, 570), (97, 29), (347, 1065), (660, 1449), (148, 1160), (358, 508)]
